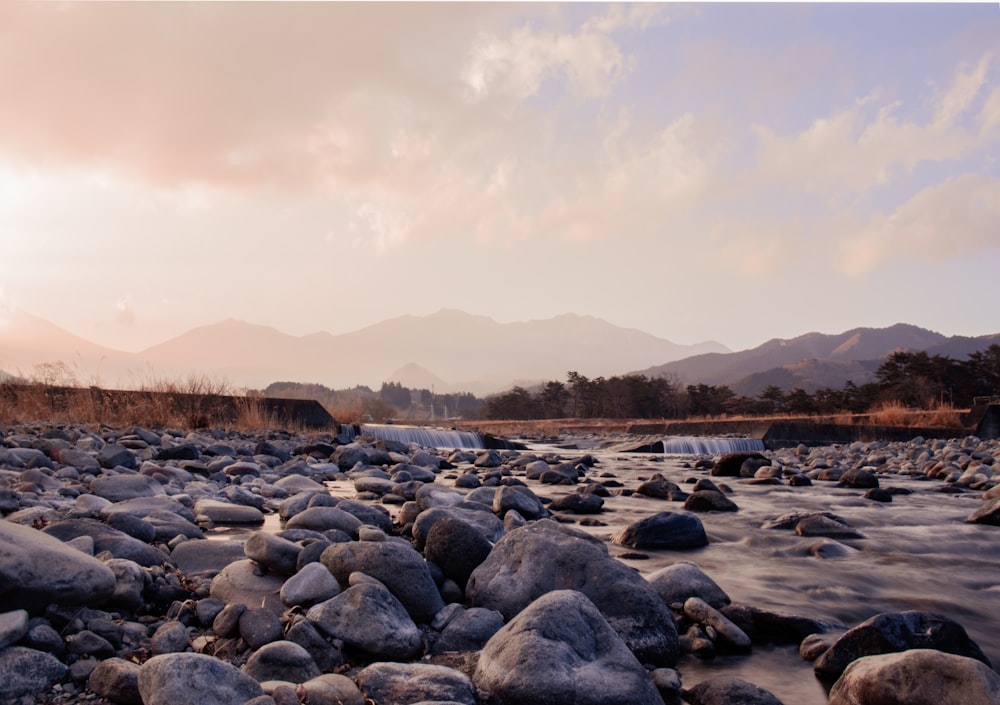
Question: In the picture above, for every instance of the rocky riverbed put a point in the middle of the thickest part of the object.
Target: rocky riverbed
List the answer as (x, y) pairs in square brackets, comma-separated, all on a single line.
[(172, 566)]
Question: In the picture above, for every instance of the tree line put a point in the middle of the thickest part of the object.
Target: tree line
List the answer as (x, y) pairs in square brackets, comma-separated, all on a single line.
[(912, 379)]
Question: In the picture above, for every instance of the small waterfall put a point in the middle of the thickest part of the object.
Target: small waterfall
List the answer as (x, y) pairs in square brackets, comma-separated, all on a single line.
[(427, 437), (694, 445)]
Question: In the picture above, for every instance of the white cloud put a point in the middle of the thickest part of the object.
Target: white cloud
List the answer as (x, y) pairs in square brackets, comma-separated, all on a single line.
[(962, 92), (955, 218), (868, 145), (516, 66)]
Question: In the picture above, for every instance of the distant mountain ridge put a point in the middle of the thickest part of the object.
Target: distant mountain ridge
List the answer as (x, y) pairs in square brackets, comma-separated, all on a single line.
[(815, 360), (465, 352)]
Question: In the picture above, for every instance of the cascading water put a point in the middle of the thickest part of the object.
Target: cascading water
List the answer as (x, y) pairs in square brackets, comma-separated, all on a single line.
[(694, 445), (427, 437)]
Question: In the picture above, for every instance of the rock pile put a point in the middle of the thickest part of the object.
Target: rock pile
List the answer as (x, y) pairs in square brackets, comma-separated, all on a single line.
[(445, 578)]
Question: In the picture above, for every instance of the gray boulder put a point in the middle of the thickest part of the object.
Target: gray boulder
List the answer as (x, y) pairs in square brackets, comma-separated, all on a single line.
[(544, 556), (27, 580), (415, 682), (369, 618), (13, 627), (485, 522), (989, 513), (678, 582), (667, 530), (207, 558), (398, 566), (892, 632), (469, 631), (112, 456), (194, 679), (916, 677), (457, 548), (324, 518), (576, 658)]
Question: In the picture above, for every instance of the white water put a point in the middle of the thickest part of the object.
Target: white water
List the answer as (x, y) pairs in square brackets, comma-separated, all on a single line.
[(696, 445), (426, 437)]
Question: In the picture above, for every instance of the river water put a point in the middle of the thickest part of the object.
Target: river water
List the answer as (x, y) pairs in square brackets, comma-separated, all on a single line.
[(918, 554)]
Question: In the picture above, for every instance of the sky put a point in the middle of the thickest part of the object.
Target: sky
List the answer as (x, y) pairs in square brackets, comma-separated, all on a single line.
[(728, 172)]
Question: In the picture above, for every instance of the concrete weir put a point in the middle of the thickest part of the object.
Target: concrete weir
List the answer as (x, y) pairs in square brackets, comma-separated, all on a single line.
[(983, 421)]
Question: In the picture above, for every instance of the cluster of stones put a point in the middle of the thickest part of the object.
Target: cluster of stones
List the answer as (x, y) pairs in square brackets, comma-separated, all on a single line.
[(479, 591)]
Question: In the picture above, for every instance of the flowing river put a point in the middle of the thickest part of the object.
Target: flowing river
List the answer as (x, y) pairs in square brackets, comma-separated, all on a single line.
[(917, 554)]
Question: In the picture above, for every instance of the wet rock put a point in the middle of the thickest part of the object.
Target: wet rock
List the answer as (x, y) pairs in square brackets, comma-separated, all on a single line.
[(763, 626), (658, 487), (701, 612), (678, 582), (545, 556), (824, 526), (728, 690), (989, 513), (28, 581), (666, 530), (891, 632), (709, 501), (859, 478), (369, 618), (26, 671), (281, 660), (585, 660), (916, 677), (194, 679), (326, 654), (729, 465), (519, 499), (577, 503)]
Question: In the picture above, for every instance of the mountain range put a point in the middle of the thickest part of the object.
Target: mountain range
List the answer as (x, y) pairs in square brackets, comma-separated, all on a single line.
[(451, 351)]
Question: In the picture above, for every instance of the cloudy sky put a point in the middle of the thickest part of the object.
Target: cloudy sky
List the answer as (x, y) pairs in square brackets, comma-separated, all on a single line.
[(706, 171)]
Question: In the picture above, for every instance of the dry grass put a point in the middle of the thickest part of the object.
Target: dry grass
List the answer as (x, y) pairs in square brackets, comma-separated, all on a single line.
[(191, 403), (895, 414)]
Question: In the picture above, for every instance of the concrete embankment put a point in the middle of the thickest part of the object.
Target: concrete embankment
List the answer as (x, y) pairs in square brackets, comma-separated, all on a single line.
[(983, 421)]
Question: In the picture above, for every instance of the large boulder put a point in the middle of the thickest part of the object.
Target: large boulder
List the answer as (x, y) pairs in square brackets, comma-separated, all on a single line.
[(678, 582), (545, 556), (281, 661), (118, 488), (397, 565), (891, 632), (369, 618), (676, 531), (575, 658), (916, 677), (485, 522), (194, 679), (37, 569)]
